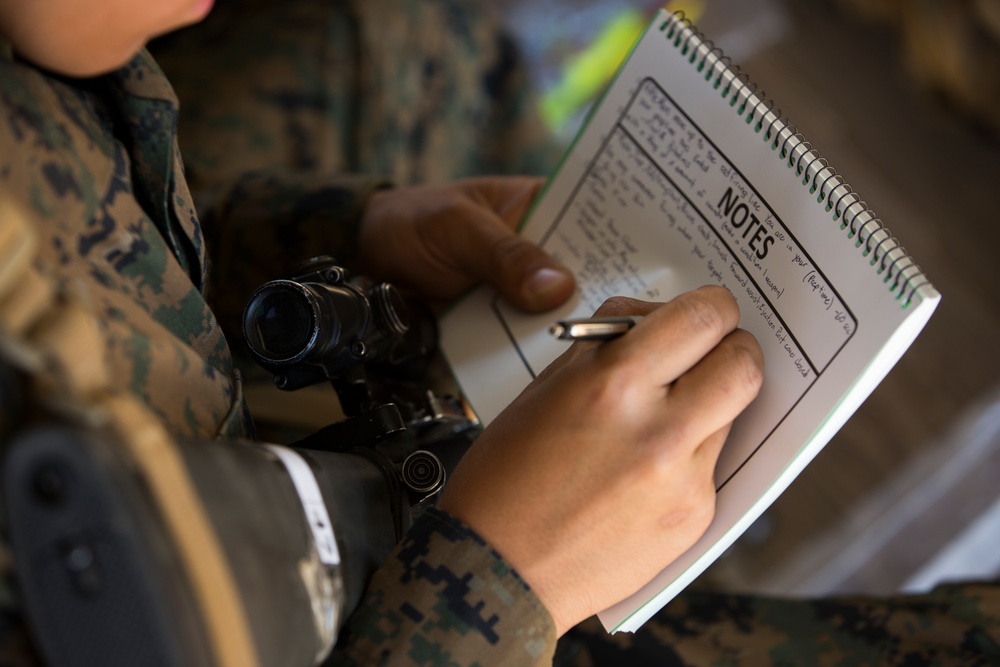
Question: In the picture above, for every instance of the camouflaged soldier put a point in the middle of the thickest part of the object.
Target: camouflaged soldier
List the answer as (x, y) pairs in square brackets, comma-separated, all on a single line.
[(93, 164)]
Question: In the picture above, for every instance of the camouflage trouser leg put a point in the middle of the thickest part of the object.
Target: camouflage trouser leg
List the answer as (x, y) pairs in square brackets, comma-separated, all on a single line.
[(952, 625), (413, 90)]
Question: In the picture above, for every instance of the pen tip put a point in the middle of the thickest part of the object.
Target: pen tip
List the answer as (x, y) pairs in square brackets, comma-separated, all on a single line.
[(557, 330)]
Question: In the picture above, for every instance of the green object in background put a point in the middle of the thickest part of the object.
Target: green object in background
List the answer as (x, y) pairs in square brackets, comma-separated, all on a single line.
[(591, 69), (587, 72)]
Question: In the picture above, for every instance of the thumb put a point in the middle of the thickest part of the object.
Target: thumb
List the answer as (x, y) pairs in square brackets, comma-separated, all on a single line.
[(523, 273), (527, 277)]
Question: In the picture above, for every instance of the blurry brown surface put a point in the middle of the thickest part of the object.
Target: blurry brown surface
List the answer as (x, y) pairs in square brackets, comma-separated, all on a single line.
[(928, 172), (951, 47)]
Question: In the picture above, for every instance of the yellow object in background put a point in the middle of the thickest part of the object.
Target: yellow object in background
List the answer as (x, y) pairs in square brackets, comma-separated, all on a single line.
[(589, 71), (693, 9)]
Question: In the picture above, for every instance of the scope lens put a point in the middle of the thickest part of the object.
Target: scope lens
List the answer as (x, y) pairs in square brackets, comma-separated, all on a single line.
[(281, 322)]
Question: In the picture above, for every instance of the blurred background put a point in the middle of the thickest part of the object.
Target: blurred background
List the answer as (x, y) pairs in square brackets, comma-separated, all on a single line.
[(903, 98)]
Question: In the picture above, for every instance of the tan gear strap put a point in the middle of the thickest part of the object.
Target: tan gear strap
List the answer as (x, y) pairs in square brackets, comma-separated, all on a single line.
[(52, 336)]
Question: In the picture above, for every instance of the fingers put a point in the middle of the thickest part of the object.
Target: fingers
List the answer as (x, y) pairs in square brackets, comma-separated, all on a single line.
[(674, 337), (438, 240), (527, 277), (623, 305), (511, 197), (488, 249), (613, 307), (711, 370), (708, 397)]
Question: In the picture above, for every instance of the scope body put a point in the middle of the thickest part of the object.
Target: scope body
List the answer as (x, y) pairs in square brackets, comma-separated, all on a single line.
[(323, 323)]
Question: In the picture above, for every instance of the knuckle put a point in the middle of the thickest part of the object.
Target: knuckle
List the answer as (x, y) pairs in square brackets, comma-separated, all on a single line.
[(702, 314), (616, 387)]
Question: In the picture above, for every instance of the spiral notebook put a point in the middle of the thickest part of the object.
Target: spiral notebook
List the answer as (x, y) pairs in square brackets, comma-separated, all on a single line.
[(685, 174)]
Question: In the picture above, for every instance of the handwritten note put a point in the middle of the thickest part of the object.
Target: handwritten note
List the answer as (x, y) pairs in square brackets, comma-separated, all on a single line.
[(693, 219)]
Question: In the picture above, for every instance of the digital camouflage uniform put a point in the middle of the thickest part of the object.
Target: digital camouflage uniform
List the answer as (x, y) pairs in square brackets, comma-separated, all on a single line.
[(95, 165), (271, 132)]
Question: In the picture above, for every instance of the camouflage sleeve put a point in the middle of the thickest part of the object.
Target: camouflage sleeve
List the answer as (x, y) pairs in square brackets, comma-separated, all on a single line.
[(444, 597), (954, 624), (265, 223)]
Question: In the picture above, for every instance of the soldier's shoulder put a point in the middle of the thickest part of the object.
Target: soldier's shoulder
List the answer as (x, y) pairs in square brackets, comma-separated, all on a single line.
[(55, 144)]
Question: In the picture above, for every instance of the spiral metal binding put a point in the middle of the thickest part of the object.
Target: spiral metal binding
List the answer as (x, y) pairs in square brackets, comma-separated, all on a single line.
[(889, 259)]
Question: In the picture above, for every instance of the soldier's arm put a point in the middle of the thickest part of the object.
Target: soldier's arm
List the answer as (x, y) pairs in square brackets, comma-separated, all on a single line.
[(444, 596)]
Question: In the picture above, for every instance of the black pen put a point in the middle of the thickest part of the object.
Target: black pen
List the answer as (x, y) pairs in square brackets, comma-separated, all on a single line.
[(593, 328)]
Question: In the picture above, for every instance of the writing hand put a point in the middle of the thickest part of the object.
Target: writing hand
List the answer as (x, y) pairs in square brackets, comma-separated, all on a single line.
[(439, 240), (601, 472)]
